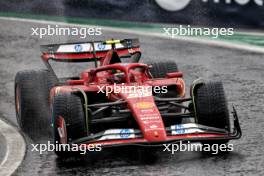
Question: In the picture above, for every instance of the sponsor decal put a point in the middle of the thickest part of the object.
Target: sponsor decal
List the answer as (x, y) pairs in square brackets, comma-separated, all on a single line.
[(144, 105), (151, 121), (125, 133), (185, 129), (74, 48), (85, 47), (118, 134), (153, 126), (140, 94), (146, 110), (179, 129), (78, 47), (100, 46), (150, 117)]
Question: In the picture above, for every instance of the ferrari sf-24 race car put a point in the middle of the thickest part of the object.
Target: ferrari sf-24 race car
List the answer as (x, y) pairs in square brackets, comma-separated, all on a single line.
[(79, 113)]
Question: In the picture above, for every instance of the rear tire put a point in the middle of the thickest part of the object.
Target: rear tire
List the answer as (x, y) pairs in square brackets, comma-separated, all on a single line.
[(32, 90), (70, 108), (160, 69)]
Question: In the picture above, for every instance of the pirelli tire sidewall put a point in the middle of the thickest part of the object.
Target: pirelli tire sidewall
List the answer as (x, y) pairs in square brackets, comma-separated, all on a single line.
[(68, 107), (160, 69), (32, 88), (211, 105)]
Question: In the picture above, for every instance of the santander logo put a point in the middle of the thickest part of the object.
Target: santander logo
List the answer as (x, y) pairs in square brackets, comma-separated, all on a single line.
[(176, 5)]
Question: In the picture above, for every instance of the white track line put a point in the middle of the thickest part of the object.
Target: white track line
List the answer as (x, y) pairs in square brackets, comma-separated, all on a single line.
[(203, 41), (15, 149)]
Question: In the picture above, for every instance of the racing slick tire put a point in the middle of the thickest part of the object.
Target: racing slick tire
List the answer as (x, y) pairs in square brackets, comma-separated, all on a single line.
[(68, 109), (212, 108), (32, 90), (160, 69)]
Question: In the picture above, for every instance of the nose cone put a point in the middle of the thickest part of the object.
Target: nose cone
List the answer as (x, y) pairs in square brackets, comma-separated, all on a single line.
[(155, 135), (148, 118)]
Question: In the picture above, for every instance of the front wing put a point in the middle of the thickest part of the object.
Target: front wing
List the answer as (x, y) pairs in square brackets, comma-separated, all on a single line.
[(181, 132)]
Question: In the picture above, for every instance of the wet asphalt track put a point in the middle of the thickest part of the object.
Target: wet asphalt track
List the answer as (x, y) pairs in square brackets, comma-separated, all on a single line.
[(241, 72)]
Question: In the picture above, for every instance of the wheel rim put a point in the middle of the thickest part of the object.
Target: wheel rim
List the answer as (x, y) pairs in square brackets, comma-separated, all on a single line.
[(61, 127), (17, 104)]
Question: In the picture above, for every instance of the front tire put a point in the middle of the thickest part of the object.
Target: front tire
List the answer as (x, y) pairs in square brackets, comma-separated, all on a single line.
[(211, 105), (211, 108), (68, 109)]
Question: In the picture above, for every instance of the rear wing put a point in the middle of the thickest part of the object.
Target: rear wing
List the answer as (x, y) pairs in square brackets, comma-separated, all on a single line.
[(88, 51)]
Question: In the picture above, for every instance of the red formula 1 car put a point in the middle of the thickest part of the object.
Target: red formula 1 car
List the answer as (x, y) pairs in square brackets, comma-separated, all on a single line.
[(117, 103)]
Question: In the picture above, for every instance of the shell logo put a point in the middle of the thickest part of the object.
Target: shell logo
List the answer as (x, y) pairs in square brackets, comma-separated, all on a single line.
[(144, 105)]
